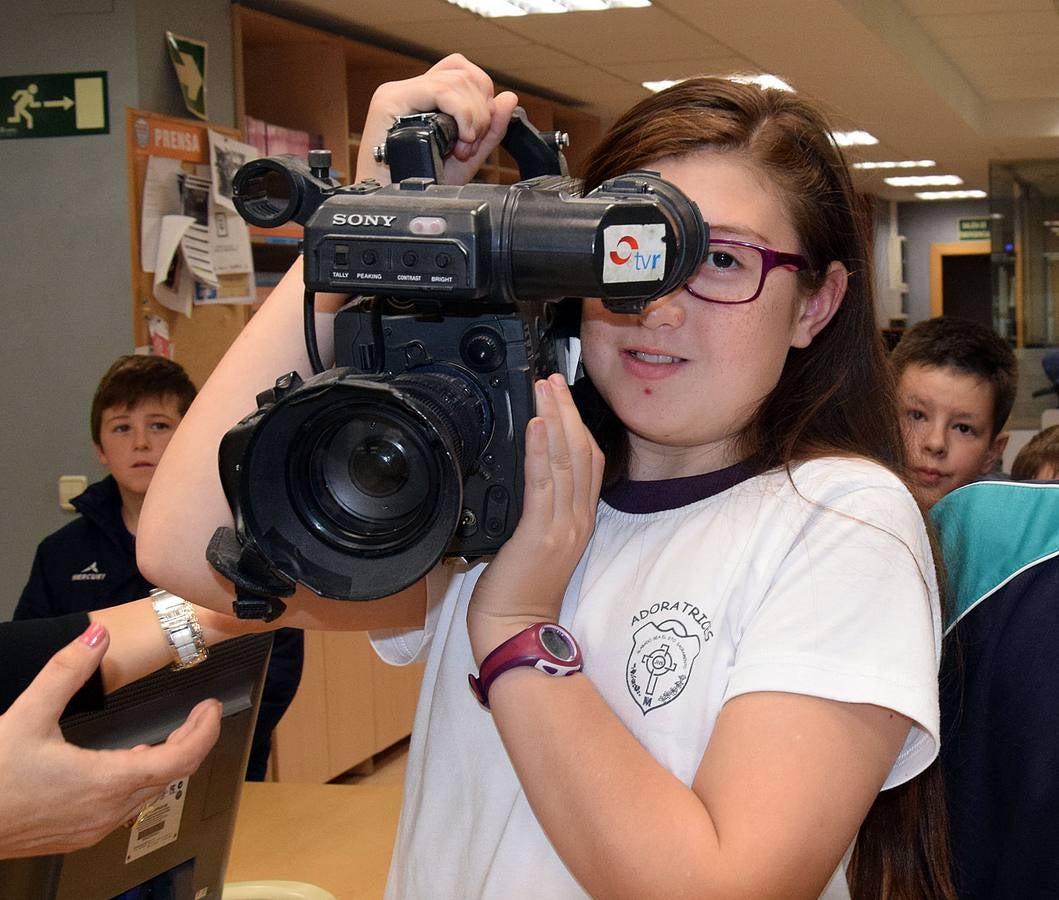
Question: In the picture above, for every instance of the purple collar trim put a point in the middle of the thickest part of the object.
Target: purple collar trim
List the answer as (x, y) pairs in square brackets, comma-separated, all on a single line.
[(672, 493)]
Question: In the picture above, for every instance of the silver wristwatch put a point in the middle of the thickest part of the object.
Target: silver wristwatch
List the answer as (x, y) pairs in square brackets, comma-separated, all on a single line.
[(178, 621)]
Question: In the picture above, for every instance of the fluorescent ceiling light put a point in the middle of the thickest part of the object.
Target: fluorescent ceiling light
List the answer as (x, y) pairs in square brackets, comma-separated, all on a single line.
[(854, 138), (923, 180), (903, 164), (492, 9), (657, 86), (951, 195), (765, 82)]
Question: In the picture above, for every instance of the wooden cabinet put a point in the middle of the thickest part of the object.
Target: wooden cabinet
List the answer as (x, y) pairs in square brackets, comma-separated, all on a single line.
[(350, 705)]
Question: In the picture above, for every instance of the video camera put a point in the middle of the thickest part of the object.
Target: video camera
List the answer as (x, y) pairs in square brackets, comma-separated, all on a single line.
[(357, 480)]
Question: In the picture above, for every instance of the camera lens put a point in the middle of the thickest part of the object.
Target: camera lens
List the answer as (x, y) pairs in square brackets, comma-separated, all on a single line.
[(373, 471), (369, 477), (379, 467)]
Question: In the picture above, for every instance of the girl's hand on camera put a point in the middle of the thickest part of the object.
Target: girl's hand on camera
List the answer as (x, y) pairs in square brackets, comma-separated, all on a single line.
[(455, 86), (526, 581)]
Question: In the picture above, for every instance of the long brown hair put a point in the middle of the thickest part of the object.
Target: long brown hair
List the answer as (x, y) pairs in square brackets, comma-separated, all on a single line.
[(836, 396)]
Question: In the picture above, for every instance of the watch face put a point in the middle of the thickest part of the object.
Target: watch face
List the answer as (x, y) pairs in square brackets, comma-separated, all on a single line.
[(556, 644)]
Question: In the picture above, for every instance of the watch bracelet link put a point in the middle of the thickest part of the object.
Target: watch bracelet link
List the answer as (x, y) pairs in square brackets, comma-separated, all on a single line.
[(182, 629)]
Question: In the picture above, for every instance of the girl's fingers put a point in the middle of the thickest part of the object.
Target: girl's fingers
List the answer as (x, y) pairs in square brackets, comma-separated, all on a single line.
[(466, 94), (585, 457), (537, 503), (475, 74), (561, 466), (580, 446)]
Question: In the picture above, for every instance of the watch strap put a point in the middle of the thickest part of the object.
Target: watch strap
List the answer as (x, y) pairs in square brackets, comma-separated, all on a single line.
[(530, 647), (181, 626)]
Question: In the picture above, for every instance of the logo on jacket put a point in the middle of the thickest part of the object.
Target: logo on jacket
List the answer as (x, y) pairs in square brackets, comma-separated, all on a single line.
[(89, 573), (660, 663)]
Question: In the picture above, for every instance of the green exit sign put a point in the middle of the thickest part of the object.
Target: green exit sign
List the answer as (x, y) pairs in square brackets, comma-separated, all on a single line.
[(53, 105), (976, 229)]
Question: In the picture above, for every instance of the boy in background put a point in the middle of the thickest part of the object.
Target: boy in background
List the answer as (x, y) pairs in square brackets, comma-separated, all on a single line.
[(956, 387), (1039, 459), (90, 563)]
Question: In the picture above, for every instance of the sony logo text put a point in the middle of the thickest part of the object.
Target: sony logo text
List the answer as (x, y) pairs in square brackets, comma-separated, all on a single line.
[(361, 219)]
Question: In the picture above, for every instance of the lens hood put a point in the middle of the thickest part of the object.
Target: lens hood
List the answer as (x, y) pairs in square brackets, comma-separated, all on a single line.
[(351, 485)]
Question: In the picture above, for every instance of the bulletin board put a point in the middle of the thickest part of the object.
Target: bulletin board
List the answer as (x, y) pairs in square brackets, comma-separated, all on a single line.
[(199, 341)]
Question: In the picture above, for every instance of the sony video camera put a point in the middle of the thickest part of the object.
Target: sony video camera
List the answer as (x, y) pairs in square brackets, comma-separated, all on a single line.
[(358, 479)]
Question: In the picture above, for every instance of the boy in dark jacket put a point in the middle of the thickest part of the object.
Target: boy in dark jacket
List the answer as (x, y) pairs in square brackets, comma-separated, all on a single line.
[(90, 563)]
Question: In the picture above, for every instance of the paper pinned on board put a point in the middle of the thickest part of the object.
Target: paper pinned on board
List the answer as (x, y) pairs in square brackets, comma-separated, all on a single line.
[(161, 197), (195, 244), (173, 287), (226, 156)]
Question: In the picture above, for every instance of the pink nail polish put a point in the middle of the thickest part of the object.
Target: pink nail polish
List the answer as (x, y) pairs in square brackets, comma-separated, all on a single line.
[(93, 634)]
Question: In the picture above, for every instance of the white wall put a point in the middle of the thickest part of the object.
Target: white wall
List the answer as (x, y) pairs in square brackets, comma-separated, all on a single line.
[(888, 298)]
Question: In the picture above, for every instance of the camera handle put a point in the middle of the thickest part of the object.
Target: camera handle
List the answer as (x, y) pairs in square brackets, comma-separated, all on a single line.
[(535, 152), (418, 145)]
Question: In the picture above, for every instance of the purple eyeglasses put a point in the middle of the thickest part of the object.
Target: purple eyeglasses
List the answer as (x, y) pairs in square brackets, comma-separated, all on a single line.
[(734, 271)]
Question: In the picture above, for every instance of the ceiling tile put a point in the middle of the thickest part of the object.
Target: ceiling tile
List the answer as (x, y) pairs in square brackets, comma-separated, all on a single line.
[(969, 50), (618, 35), (567, 78), (473, 34), (966, 7), (528, 55), (370, 12), (672, 69), (1034, 79), (992, 24)]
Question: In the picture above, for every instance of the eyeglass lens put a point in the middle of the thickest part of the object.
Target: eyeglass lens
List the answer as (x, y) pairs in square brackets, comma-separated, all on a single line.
[(729, 273)]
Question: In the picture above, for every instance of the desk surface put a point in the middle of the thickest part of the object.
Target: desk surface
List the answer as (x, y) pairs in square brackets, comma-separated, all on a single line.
[(336, 836)]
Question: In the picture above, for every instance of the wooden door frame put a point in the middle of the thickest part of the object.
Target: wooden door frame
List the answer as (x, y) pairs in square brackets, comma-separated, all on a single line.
[(937, 253)]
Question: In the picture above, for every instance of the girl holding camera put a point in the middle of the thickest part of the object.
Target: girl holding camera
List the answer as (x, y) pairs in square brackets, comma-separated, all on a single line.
[(744, 587)]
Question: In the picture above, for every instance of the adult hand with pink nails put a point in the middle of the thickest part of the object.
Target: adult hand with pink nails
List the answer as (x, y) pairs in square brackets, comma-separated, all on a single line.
[(56, 797)]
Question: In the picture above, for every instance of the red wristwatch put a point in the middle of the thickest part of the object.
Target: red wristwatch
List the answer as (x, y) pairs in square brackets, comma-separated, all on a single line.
[(548, 647)]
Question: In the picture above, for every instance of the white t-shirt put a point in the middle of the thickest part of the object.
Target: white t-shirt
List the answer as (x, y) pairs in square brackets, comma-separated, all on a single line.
[(824, 586)]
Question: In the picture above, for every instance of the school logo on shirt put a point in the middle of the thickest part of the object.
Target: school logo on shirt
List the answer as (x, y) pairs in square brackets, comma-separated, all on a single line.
[(89, 573), (660, 663)]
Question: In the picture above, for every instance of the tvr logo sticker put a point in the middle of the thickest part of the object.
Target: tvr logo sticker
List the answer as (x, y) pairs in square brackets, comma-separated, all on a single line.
[(660, 663), (634, 253)]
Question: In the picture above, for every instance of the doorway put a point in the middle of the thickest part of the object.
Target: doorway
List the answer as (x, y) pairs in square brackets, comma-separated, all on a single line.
[(961, 281)]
